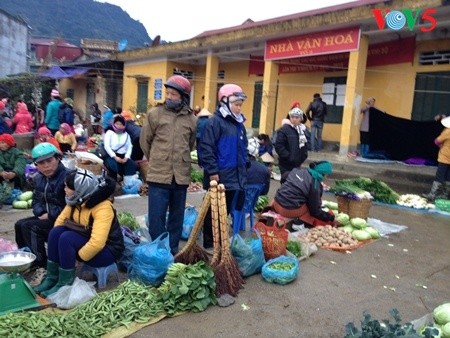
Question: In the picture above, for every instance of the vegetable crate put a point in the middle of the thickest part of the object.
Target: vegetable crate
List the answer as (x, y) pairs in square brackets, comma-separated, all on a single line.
[(354, 208)]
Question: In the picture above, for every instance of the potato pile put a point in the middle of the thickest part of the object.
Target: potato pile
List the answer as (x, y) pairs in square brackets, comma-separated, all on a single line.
[(326, 236)]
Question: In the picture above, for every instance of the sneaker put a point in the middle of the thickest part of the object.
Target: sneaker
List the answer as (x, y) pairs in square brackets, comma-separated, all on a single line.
[(37, 277)]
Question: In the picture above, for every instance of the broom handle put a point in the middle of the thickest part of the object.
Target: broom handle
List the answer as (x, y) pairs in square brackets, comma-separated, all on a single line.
[(199, 221), (215, 221), (224, 231)]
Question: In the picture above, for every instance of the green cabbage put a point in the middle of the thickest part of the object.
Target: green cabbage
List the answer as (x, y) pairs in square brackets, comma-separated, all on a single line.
[(445, 331), (441, 314), (348, 228), (358, 223), (361, 235), (374, 233), (343, 218)]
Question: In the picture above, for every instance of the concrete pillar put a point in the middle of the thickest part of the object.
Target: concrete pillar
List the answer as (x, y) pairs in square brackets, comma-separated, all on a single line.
[(353, 97), (212, 68), (268, 104)]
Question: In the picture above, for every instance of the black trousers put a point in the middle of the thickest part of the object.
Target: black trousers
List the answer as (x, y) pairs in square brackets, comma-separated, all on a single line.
[(32, 232)]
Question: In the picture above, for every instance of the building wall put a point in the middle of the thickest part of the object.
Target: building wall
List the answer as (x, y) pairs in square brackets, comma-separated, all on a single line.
[(13, 45)]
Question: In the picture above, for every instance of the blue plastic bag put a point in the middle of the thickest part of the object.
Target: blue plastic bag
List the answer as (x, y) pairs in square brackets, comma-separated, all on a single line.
[(279, 276), (249, 253), (151, 261), (190, 216)]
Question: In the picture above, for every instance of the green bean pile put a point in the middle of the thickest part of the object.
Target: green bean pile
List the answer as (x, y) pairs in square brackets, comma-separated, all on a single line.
[(186, 287)]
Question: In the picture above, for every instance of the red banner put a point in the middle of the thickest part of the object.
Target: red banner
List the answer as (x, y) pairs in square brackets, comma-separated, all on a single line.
[(343, 40), (386, 53), (256, 65)]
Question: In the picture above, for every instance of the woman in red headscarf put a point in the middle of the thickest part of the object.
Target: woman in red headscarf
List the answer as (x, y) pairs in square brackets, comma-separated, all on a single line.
[(23, 119), (12, 162), (66, 138), (45, 135)]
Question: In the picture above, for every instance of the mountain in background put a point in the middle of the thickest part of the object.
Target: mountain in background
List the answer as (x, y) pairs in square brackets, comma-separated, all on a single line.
[(74, 20)]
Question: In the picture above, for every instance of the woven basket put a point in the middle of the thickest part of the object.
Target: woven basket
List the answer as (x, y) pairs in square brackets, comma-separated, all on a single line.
[(95, 168), (359, 208), (343, 204)]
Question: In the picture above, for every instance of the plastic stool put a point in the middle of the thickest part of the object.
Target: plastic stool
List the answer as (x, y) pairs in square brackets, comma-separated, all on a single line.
[(101, 273)]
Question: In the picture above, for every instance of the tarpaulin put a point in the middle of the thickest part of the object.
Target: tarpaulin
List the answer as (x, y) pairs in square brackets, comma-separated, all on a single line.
[(57, 72), (401, 139)]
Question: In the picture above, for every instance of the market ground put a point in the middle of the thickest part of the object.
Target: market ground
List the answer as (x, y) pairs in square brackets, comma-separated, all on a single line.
[(412, 270)]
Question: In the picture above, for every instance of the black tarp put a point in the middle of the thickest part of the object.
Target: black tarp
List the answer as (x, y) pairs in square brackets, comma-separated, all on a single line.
[(401, 139)]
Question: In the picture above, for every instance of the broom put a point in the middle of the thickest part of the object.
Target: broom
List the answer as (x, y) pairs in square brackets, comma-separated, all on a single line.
[(191, 253), (215, 224), (228, 277)]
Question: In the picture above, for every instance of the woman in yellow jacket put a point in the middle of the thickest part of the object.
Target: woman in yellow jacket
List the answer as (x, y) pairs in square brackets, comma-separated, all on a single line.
[(66, 138), (87, 230)]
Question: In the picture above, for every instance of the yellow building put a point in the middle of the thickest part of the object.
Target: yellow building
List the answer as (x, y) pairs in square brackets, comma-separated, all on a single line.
[(396, 51)]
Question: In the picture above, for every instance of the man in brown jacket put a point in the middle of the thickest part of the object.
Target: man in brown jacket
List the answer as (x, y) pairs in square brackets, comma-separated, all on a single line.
[(167, 138)]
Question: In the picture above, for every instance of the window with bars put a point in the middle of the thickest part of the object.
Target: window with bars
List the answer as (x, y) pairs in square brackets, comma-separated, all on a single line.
[(438, 57), (142, 97)]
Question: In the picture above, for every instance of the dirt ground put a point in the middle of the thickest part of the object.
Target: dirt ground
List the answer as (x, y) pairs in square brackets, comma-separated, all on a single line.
[(409, 271)]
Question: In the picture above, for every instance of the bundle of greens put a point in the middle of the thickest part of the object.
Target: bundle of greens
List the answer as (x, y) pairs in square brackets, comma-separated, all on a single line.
[(127, 219), (347, 189), (380, 191)]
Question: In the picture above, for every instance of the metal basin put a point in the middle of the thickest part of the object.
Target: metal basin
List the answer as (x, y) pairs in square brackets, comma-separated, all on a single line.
[(16, 261)]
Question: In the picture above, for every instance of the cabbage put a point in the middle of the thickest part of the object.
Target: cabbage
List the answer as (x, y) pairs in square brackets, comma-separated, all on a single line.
[(358, 223), (342, 218), (445, 331), (348, 228), (374, 233), (361, 235), (441, 314)]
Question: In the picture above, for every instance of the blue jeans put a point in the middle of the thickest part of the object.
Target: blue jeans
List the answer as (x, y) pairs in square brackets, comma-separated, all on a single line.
[(316, 132), (124, 169), (163, 197)]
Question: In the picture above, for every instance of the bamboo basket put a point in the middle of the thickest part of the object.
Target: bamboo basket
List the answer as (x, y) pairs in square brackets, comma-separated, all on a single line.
[(95, 168), (359, 208), (343, 204)]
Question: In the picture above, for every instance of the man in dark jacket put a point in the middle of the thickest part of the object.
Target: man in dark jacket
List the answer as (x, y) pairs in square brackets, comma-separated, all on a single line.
[(257, 173), (290, 143), (318, 108), (48, 201), (134, 131)]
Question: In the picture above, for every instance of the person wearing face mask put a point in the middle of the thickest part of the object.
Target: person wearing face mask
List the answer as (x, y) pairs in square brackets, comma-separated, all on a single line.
[(167, 138), (223, 152), (118, 145)]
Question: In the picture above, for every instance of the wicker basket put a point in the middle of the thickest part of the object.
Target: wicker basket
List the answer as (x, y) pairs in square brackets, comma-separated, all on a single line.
[(359, 208), (343, 204), (95, 168)]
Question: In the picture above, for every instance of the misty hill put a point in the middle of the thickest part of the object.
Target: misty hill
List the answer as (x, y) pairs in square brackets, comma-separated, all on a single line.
[(74, 20)]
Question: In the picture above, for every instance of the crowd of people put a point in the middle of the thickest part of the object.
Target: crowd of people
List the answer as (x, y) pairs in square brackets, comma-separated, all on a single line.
[(72, 210)]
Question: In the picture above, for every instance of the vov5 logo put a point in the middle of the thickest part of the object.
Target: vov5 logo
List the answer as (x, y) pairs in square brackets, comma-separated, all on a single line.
[(397, 19)]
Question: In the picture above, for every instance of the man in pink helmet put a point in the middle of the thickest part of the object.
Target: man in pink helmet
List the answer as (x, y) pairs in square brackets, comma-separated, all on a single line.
[(167, 138), (223, 152)]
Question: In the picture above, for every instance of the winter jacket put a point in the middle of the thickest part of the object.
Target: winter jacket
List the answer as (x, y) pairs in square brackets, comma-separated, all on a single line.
[(167, 139), (52, 114), (107, 119), (4, 127), (98, 212), (117, 143), (48, 193), (67, 139), (13, 160), (444, 141), (258, 173), (287, 146), (66, 114), (223, 151), (23, 121), (318, 108), (300, 188)]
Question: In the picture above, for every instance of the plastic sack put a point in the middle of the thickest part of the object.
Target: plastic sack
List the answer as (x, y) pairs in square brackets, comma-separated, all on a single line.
[(277, 276), (151, 261), (131, 184), (70, 296), (190, 216), (14, 196), (249, 253), (131, 241), (6, 245)]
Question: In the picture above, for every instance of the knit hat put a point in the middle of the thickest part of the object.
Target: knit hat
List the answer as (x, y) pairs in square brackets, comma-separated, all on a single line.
[(253, 147), (44, 131), (127, 115), (55, 93), (65, 127), (295, 112), (295, 104), (8, 139), (84, 182), (446, 122)]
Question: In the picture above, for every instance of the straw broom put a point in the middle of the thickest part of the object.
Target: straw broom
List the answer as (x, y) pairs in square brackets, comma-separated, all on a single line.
[(228, 277), (215, 224), (191, 253)]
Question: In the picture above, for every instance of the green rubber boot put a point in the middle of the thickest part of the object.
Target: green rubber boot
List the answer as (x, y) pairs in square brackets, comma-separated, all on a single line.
[(50, 279), (66, 277)]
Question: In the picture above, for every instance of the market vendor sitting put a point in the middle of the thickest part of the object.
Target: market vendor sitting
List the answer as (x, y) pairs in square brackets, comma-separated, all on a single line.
[(301, 195), (88, 207), (12, 162)]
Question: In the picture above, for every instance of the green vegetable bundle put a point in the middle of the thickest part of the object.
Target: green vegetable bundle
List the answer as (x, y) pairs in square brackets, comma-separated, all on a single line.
[(196, 175), (261, 203), (294, 248), (380, 191), (127, 219)]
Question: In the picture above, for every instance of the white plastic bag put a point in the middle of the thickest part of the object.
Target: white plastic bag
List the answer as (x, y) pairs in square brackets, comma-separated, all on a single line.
[(70, 296)]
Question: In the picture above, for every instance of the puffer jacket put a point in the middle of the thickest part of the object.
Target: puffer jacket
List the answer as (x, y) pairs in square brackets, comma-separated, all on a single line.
[(290, 155), (48, 193), (223, 151), (52, 114), (167, 139), (318, 108), (23, 121), (98, 212)]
